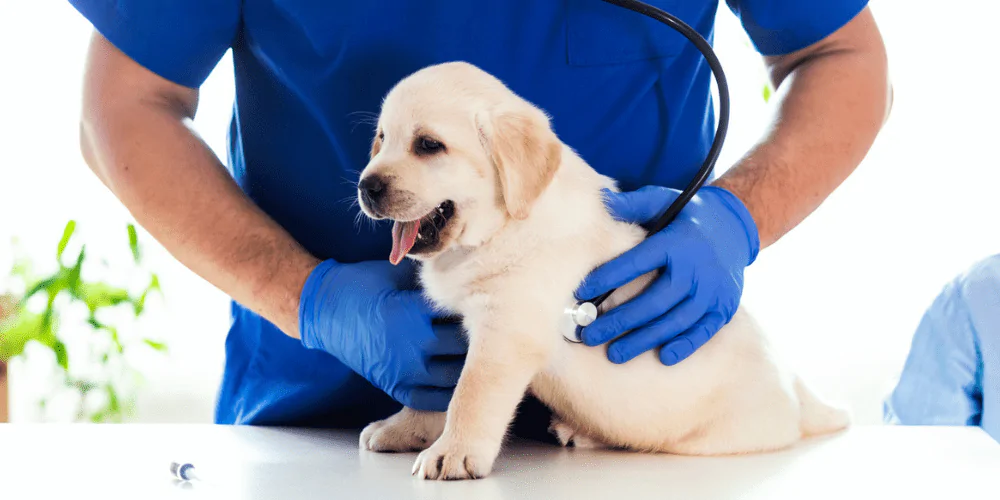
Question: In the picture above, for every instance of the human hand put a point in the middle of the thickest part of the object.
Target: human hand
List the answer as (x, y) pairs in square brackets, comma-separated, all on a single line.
[(702, 254), (368, 316)]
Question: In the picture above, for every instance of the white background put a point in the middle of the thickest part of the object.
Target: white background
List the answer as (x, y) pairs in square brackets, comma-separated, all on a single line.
[(841, 294)]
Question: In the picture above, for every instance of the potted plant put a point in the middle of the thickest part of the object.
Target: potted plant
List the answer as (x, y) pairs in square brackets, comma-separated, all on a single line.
[(39, 315)]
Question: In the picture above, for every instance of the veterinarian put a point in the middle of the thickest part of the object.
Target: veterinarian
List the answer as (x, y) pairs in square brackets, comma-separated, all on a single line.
[(952, 373), (325, 331)]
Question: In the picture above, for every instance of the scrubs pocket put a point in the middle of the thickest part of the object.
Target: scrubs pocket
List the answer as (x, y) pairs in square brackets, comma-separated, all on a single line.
[(600, 33)]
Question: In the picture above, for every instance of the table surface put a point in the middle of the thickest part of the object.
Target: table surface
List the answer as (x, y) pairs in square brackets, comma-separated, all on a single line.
[(51, 461)]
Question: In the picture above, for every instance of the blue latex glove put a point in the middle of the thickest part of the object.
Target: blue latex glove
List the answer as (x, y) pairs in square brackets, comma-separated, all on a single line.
[(702, 253), (369, 316)]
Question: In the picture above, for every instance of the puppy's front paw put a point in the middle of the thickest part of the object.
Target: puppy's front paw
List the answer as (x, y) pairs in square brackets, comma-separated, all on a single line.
[(450, 459), (405, 431)]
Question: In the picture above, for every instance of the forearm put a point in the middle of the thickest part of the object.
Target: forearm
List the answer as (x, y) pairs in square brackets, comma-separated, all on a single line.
[(831, 105), (144, 150)]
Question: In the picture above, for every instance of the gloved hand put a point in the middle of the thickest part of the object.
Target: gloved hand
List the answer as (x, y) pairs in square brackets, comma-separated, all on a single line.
[(702, 253), (369, 317)]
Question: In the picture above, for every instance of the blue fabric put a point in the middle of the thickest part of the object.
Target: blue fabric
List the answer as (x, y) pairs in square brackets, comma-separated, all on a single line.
[(952, 373), (633, 98), (782, 26)]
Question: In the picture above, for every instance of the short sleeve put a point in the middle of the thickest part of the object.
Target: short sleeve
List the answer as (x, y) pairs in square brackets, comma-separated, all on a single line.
[(940, 381), (180, 40), (782, 26)]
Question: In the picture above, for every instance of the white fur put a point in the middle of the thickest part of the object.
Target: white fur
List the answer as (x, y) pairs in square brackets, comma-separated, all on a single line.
[(511, 279)]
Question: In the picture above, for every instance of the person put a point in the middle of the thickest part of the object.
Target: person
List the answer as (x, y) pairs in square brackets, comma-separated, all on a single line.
[(952, 372), (325, 331)]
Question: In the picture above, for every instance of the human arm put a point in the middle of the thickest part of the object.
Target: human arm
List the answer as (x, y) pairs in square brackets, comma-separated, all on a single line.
[(940, 380), (833, 96), (137, 137), (144, 66)]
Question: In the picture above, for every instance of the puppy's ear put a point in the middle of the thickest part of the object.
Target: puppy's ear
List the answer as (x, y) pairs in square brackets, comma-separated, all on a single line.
[(376, 145), (526, 153)]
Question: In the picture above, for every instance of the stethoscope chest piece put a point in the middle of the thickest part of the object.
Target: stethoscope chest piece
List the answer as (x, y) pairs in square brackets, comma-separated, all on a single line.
[(581, 315)]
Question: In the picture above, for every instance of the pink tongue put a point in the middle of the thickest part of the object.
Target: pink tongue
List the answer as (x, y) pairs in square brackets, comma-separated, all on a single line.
[(404, 236)]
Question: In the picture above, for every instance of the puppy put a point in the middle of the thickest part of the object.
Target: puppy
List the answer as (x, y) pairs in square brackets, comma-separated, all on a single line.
[(507, 222)]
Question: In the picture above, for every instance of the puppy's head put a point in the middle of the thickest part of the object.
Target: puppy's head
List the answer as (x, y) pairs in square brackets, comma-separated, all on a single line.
[(456, 155)]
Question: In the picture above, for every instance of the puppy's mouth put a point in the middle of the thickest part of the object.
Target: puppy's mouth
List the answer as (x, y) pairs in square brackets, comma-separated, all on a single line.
[(415, 236)]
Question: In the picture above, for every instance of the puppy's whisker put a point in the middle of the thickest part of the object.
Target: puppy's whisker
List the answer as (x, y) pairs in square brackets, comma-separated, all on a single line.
[(357, 220), (364, 115), (363, 118), (351, 201)]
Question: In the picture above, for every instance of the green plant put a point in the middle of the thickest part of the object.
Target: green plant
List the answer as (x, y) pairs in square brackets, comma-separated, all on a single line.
[(58, 293)]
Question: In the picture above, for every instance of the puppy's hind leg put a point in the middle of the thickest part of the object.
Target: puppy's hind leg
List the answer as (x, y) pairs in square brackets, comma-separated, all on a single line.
[(408, 430), (569, 436)]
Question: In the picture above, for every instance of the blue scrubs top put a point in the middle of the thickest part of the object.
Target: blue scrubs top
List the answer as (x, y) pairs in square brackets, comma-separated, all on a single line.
[(630, 95), (952, 373)]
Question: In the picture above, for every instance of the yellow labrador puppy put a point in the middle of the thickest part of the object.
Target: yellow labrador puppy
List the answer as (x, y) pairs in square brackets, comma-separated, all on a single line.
[(508, 221)]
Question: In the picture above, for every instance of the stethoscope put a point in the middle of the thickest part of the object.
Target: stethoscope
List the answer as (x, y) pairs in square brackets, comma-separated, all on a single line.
[(585, 313)]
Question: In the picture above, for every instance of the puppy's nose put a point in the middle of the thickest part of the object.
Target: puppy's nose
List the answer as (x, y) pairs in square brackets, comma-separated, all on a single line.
[(372, 189)]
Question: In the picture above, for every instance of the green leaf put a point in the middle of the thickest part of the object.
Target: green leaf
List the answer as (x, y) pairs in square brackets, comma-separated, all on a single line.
[(112, 331), (133, 243), (767, 92), (47, 284), (114, 338), (61, 356), (67, 234), (73, 275), (114, 406), (25, 327), (99, 295), (159, 346), (140, 304), (46, 332)]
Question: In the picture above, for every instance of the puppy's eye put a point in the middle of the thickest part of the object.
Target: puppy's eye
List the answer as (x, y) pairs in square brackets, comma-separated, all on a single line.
[(381, 135), (427, 146)]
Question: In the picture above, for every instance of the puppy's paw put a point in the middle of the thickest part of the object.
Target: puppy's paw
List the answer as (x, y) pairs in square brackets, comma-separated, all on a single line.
[(384, 437), (449, 459), (568, 436), (405, 431)]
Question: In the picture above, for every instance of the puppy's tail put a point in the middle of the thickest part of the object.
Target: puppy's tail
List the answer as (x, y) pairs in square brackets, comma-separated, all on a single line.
[(818, 417)]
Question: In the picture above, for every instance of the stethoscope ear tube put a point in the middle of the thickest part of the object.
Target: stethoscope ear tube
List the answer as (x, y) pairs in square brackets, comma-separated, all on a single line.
[(581, 310)]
